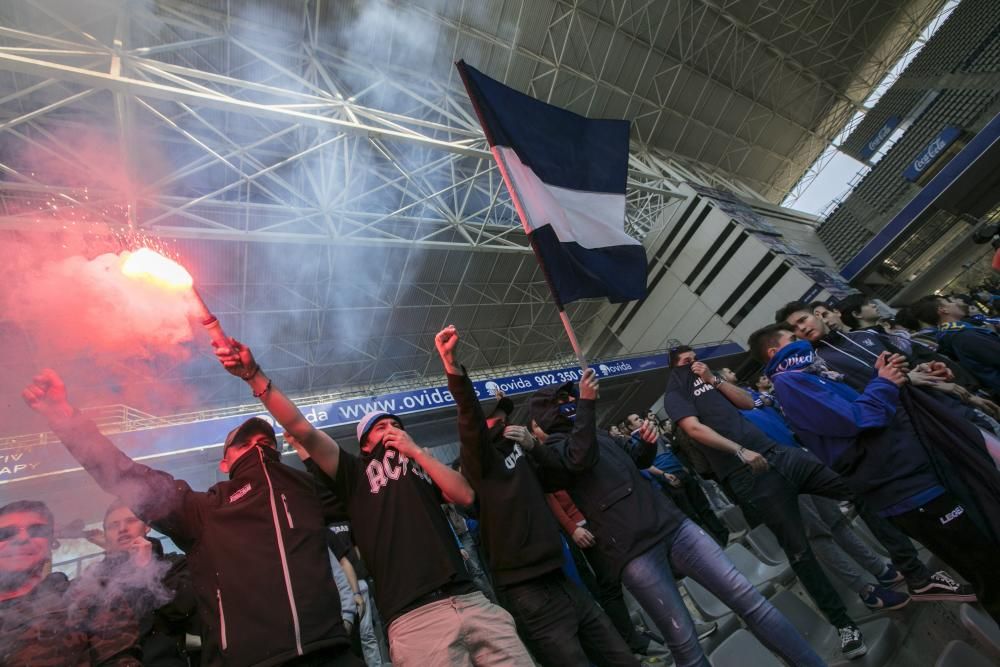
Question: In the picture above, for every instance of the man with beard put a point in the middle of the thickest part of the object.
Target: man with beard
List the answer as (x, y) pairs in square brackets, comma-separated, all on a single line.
[(393, 494), (559, 622), (43, 622)]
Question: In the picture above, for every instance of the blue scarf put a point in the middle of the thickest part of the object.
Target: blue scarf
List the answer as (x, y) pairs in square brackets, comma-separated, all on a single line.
[(799, 356)]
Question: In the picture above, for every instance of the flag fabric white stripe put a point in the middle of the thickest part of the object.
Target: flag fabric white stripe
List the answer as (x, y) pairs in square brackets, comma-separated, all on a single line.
[(590, 219)]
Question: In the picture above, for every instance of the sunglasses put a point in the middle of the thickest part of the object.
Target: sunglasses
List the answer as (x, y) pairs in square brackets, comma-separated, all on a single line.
[(34, 531)]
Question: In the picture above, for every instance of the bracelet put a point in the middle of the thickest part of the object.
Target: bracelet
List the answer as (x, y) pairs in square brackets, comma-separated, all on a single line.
[(739, 454), (251, 374), (717, 381), (264, 390)]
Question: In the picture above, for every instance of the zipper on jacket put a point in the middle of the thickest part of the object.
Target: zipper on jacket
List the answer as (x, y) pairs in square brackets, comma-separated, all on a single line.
[(222, 619), (281, 552), (288, 515)]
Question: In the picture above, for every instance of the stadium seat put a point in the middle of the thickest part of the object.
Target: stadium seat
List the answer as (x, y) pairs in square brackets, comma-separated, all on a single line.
[(756, 570), (765, 545), (741, 649), (959, 654), (711, 607), (981, 626), (737, 524), (882, 635)]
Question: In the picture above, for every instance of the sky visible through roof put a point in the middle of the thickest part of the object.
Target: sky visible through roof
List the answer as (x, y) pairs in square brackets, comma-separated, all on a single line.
[(833, 175)]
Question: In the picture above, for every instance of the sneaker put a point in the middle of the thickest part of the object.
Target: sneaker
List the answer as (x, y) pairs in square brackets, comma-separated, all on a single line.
[(852, 644), (942, 587), (890, 577), (705, 629), (879, 597)]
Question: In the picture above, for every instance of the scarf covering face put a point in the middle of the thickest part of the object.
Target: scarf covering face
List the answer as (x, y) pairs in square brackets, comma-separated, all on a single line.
[(799, 356)]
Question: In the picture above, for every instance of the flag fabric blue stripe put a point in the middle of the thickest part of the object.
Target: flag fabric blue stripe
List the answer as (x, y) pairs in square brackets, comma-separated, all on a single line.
[(575, 272), (564, 149)]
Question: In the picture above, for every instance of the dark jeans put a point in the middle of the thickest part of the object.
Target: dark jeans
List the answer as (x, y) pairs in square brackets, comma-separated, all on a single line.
[(690, 498), (612, 599), (774, 496), (944, 527), (327, 657), (901, 550), (562, 625), (650, 578)]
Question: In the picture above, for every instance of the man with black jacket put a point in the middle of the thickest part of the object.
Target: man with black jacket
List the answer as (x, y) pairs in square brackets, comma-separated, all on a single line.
[(256, 544), (559, 622), (642, 535), (975, 347), (393, 493)]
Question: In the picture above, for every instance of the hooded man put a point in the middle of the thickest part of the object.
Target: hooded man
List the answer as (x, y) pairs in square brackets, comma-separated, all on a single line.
[(642, 535), (865, 437), (256, 543), (393, 491), (560, 623)]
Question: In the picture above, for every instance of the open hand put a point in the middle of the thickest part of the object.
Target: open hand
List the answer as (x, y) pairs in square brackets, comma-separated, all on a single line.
[(46, 395), (589, 386), (757, 463), (583, 538)]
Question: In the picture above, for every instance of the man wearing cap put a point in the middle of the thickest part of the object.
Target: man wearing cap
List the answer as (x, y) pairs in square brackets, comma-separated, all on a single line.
[(256, 544), (393, 492), (560, 622)]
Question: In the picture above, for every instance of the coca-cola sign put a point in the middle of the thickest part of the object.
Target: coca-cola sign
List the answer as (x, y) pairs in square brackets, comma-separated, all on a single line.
[(880, 137), (932, 152)]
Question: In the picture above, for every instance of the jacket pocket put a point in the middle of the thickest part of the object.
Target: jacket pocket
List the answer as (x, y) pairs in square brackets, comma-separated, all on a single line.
[(614, 496), (222, 620), (288, 514)]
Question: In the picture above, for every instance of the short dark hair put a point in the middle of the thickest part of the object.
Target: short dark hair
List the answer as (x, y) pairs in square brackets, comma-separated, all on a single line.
[(791, 307), (763, 339), (848, 305), (816, 304), (906, 319), (36, 506), (925, 310), (677, 351)]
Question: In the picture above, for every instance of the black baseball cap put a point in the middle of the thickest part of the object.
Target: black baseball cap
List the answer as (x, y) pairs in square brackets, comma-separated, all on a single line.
[(250, 427)]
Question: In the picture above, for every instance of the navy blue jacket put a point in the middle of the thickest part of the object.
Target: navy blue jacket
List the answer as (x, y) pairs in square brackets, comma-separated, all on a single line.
[(864, 437), (976, 349)]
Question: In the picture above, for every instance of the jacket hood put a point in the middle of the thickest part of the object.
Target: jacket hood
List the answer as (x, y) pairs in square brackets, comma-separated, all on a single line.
[(543, 407)]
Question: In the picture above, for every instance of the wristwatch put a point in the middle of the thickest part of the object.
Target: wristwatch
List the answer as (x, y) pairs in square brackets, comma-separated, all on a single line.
[(717, 381)]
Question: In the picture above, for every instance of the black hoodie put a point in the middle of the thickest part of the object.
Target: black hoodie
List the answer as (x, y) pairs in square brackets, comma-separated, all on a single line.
[(520, 535), (626, 515)]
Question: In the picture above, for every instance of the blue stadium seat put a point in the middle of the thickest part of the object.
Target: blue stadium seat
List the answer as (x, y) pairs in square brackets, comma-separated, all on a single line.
[(959, 654), (765, 545)]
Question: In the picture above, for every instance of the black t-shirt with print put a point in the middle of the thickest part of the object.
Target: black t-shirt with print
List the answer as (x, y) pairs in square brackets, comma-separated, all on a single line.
[(688, 396), (398, 525)]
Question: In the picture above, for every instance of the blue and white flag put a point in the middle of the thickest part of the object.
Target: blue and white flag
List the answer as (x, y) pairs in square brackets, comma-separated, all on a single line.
[(566, 174)]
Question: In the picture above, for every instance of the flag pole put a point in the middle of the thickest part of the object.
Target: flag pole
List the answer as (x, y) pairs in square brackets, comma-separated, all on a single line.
[(572, 339)]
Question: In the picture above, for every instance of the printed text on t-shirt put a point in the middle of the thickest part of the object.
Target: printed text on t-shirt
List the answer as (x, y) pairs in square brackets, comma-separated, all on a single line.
[(380, 473)]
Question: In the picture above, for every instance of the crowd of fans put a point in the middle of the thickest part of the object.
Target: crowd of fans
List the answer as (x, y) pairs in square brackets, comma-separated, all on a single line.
[(521, 550)]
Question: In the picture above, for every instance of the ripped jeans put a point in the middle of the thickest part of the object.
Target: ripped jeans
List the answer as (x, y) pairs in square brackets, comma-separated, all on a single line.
[(650, 579)]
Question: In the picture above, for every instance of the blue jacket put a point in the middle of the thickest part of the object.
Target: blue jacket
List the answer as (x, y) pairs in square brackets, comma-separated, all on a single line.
[(864, 437)]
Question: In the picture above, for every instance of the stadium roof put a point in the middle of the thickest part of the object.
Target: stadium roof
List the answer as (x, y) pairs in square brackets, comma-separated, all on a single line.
[(322, 174)]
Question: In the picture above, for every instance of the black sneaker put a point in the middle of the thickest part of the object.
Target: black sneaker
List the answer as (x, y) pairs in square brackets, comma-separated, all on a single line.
[(852, 644), (942, 587)]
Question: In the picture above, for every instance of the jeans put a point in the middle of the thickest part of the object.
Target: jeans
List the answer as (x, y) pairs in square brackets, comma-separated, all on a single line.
[(562, 625), (612, 599), (650, 578), (456, 632), (369, 640), (836, 545), (774, 496), (946, 529)]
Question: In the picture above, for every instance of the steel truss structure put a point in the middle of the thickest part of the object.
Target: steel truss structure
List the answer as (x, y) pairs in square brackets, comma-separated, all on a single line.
[(257, 134)]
